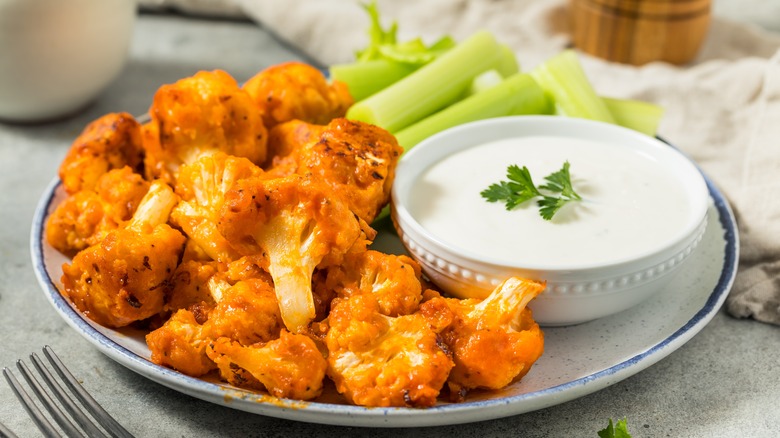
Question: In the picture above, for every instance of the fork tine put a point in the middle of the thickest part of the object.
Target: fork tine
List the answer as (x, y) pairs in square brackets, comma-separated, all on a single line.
[(35, 413), (97, 411), (6, 432), (76, 413), (59, 416)]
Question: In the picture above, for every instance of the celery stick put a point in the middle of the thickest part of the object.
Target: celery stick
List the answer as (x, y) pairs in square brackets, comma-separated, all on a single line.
[(484, 81), (507, 64), (432, 87), (516, 95), (442, 44), (366, 78), (563, 78), (414, 51), (634, 114)]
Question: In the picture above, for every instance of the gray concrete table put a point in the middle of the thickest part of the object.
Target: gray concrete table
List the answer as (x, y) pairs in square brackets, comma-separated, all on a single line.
[(724, 382)]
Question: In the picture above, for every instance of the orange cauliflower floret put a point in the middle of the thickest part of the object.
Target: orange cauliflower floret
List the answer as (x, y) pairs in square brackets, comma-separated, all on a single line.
[(181, 344), (284, 139), (198, 115), (111, 142), (493, 341), (202, 186), (298, 225), (86, 217), (123, 278), (246, 312), (189, 285), (376, 360), (295, 90), (288, 367), (356, 159), (393, 280)]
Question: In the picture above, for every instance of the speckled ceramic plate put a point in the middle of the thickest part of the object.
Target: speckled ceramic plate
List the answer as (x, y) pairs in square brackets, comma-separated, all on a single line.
[(577, 360)]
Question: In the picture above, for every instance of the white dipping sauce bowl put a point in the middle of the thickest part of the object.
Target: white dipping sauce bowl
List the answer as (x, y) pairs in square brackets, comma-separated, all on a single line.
[(58, 55), (577, 291)]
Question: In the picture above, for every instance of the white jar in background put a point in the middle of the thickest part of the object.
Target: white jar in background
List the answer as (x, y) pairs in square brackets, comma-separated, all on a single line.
[(58, 55)]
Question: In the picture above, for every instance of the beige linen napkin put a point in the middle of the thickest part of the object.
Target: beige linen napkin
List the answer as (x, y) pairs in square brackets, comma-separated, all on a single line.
[(723, 110)]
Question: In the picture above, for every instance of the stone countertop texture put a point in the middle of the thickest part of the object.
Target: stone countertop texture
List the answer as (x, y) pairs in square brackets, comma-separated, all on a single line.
[(724, 382)]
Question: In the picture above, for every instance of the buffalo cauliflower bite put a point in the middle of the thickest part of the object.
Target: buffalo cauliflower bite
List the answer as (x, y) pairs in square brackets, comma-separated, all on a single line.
[(86, 217), (298, 225), (493, 341), (189, 285), (356, 159), (246, 312), (110, 142), (376, 360), (198, 115), (288, 367), (297, 91), (181, 344), (123, 278), (393, 280), (283, 140), (202, 186)]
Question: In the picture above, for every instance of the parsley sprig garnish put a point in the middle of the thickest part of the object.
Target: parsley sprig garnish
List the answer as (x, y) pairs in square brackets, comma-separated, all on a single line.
[(619, 430), (520, 188)]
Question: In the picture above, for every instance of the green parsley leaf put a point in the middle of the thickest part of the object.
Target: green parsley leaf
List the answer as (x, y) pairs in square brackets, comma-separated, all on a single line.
[(549, 205), (520, 188), (619, 430), (560, 182)]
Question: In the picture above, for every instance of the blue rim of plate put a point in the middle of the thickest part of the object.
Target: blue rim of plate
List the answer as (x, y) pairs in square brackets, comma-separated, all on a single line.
[(442, 414)]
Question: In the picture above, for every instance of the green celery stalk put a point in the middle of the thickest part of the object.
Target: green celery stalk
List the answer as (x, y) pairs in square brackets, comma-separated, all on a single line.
[(484, 81), (434, 86), (519, 94), (507, 65), (366, 78), (414, 51), (562, 78), (634, 114)]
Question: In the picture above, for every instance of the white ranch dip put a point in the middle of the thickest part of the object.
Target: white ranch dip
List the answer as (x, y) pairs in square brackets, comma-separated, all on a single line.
[(630, 206)]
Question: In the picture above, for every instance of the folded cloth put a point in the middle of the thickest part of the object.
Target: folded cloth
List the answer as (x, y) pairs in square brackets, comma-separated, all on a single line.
[(723, 109)]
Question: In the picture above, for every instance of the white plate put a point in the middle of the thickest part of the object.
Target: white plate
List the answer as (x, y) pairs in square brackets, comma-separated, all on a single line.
[(577, 361)]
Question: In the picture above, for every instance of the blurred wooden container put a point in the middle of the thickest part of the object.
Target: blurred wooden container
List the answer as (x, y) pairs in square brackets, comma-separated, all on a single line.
[(640, 31)]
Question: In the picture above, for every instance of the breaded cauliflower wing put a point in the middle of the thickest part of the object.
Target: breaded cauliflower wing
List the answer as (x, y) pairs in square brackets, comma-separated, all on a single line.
[(86, 217), (283, 140), (288, 367), (297, 91), (299, 225), (181, 344), (111, 142), (247, 267), (205, 113), (376, 360), (356, 159), (246, 312), (393, 280), (123, 278), (189, 285), (494, 341), (202, 186)]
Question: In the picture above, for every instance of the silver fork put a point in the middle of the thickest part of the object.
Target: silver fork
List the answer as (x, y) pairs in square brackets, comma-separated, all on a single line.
[(88, 427)]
